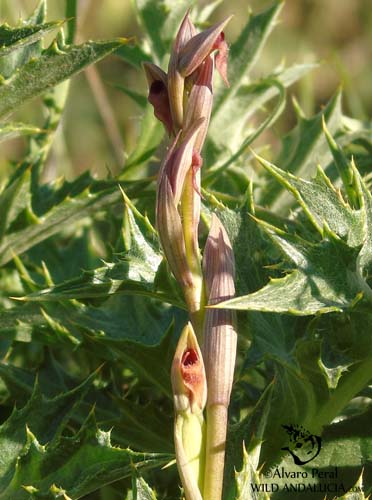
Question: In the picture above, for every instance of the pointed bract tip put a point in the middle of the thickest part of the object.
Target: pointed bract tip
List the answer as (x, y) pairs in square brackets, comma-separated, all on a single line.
[(199, 47), (185, 32), (154, 73)]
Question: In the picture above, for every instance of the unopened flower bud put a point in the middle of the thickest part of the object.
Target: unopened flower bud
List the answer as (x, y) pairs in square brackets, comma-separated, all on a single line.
[(219, 333), (219, 353), (218, 264)]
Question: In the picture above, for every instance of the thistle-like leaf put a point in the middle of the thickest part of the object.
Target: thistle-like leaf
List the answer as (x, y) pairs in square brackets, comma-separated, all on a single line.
[(39, 467), (327, 275), (12, 39), (52, 67)]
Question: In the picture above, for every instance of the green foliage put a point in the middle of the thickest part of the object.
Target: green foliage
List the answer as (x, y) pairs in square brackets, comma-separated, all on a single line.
[(83, 282), (54, 65), (36, 456)]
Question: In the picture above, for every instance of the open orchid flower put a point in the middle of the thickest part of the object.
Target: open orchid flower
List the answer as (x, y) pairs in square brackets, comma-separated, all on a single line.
[(158, 94), (189, 64)]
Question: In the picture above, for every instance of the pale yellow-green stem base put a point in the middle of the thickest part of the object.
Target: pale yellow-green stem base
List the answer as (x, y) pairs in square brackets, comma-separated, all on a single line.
[(189, 438), (215, 451)]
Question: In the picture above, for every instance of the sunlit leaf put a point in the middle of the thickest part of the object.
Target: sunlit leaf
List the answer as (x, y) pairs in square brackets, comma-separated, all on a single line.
[(52, 67)]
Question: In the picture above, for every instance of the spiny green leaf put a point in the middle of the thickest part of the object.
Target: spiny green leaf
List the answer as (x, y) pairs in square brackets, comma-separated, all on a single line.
[(23, 322), (52, 67), (306, 290), (45, 417), (9, 63), (13, 198), (243, 450), (11, 130), (39, 14), (124, 327), (329, 275), (51, 378), (63, 215), (248, 479), (322, 203), (143, 427), (141, 490), (133, 273), (40, 467), (133, 277), (302, 149), (344, 169), (14, 38)]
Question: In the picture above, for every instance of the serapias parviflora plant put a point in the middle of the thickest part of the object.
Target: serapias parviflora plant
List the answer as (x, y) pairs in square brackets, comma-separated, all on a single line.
[(301, 239), (183, 100)]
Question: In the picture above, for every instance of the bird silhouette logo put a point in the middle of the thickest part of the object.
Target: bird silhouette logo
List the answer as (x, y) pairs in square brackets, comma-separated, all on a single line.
[(303, 446)]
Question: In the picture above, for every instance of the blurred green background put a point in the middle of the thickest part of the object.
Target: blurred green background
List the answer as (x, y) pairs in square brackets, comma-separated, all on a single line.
[(101, 123)]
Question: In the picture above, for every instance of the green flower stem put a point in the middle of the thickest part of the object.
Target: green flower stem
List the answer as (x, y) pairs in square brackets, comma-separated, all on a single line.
[(215, 451), (194, 295)]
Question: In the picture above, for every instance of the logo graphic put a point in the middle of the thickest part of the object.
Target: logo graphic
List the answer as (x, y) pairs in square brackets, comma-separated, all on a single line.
[(303, 446)]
